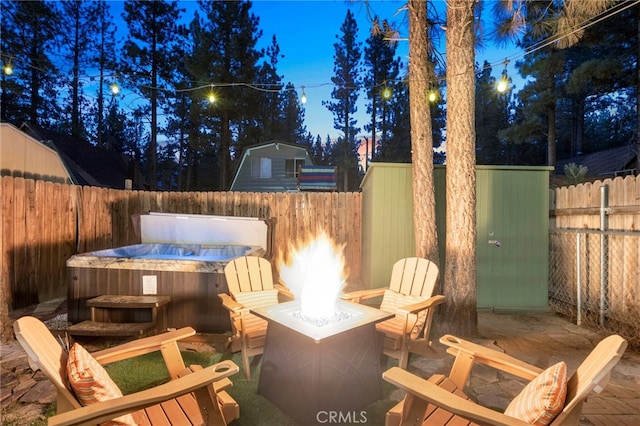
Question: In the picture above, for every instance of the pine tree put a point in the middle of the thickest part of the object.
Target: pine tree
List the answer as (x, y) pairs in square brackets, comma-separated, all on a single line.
[(79, 47), (152, 28), (548, 65), (382, 84), (293, 128), (346, 81), (268, 120), (199, 122), (460, 311), (177, 109), (105, 60), (231, 37), (421, 73), (29, 32), (491, 117)]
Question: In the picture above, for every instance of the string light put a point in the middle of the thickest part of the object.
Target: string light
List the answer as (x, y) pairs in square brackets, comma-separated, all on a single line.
[(211, 96), (8, 68), (433, 94), (386, 93), (503, 82)]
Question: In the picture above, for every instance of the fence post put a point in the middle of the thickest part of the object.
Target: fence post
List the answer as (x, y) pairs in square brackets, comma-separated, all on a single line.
[(604, 209), (579, 279)]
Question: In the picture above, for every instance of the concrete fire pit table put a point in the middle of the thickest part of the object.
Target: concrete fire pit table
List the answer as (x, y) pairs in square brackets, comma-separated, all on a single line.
[(314, 370)]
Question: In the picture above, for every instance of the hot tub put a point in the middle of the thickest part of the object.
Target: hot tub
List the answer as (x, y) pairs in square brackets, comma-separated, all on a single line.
[(189, 269), (182, 252)]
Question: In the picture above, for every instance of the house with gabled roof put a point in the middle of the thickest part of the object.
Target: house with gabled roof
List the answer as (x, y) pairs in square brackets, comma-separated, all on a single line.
[(270, 167)]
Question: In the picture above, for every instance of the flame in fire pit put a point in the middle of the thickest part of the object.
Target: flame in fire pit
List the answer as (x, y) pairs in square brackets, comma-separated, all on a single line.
[(315, 274)]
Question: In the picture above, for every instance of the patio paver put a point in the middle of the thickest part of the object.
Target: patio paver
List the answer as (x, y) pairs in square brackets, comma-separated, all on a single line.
[(543, 338)]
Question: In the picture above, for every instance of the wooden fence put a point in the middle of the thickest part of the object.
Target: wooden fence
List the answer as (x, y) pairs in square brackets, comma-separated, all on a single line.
[(595, 273), (44, 223), (578, 207)]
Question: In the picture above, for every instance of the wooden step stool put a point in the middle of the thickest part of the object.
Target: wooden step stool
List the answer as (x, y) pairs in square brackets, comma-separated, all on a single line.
[(105, 321)]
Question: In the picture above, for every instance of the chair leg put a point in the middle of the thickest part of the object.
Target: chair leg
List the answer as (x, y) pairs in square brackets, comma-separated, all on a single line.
[(246, 364), (403, 362)]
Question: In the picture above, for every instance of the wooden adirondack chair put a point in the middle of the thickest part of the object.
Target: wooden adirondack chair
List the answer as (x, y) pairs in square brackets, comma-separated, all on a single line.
[(193, 395), (440, 400), (409, 296), (251, 285)]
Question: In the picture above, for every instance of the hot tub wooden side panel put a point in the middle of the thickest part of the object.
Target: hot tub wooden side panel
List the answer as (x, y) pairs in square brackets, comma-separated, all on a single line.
[(194, 295)]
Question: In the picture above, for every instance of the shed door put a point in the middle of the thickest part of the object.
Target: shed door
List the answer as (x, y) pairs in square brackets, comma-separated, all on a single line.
[(512, 247)]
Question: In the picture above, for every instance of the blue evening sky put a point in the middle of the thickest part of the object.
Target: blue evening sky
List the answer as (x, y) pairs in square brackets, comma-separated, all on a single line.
[(306, 31)]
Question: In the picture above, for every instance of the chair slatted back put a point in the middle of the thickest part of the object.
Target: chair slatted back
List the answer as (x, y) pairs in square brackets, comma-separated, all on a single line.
[(414, 276), (248, 273), (592, 375), (46, 354)]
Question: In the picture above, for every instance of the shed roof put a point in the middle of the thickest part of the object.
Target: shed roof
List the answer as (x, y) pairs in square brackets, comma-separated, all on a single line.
[(88, 164), (23, 156), (608, 162)]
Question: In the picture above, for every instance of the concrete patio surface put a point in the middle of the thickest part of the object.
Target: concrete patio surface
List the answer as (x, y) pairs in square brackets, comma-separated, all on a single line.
[(540, 338)]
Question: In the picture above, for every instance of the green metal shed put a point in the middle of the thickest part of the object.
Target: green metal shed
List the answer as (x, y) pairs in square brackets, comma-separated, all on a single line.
[(512, 216)]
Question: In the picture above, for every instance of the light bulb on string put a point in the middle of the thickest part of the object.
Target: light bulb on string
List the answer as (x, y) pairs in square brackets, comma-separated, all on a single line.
[(211, 96), (303, 98), (433, 94), (503, 82), (115, 89), (386, 93), (8, 67)]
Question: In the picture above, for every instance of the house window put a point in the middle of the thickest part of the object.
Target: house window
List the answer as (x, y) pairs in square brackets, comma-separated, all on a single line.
[(261, 168), (291, 167)]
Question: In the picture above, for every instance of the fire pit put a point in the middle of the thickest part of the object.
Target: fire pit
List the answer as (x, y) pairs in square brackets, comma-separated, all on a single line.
[(315, 369), (321, 357)]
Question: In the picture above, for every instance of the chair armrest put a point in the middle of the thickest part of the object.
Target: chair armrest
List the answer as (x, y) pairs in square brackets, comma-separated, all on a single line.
[(490, 357), (141, 346), (284, 290), (231, 304), (107, 410), (358, 295), (427, 391), (421, 306)]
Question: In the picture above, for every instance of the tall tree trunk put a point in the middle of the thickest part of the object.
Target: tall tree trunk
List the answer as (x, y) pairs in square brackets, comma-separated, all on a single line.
[(460, 310), (75, 97), (579, 142), (225, 147), (551, 135), (638, 90), (345, 156), (153, 148), (424, 200)]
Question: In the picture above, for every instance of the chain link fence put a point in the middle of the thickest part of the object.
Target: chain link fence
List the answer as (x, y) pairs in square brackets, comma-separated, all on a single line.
[(594, 279)]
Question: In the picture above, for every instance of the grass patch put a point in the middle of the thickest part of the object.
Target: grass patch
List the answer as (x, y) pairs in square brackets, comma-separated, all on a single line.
[(147, 371)]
